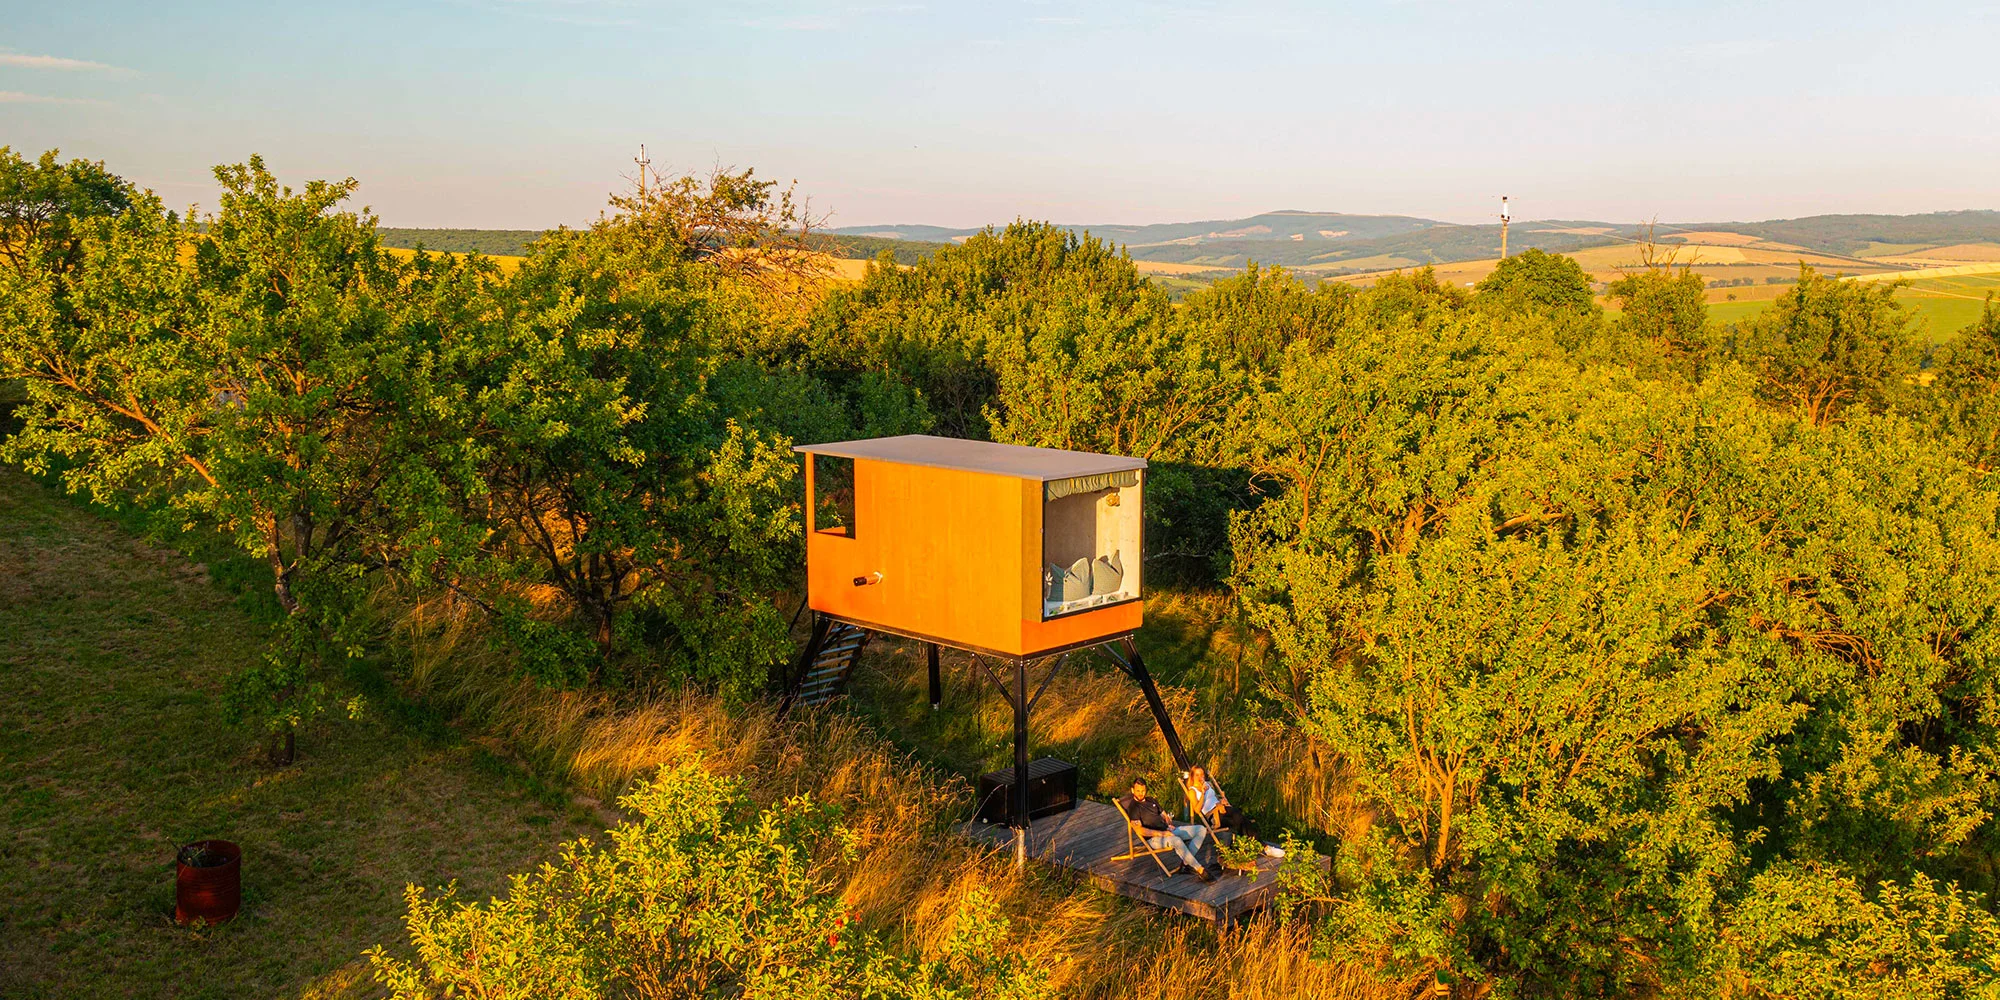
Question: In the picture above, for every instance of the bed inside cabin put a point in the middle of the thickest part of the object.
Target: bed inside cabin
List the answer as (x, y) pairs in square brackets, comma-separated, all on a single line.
[(1090, 542)]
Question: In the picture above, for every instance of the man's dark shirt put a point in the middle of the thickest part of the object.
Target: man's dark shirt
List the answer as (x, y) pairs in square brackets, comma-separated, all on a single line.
[(1146, 812)]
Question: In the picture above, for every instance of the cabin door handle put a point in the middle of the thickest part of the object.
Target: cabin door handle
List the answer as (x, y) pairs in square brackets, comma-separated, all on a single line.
[(863, 581)]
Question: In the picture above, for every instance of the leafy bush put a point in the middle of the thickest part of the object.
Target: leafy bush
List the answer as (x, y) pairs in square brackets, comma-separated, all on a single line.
[(1805, 932), (701, 895)]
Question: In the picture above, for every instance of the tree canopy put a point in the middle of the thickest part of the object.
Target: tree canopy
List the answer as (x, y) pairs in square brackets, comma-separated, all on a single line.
[(1663, 653)]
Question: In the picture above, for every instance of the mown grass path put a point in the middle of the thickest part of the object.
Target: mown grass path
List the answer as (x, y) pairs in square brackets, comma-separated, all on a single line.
[(113, 750)]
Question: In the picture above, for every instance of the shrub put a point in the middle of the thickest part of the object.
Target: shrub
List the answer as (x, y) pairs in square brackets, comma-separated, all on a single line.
[(702, 895)]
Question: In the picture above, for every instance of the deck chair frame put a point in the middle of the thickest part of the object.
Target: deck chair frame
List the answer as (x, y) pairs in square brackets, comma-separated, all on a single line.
[(1215, 830), (1136, 845)]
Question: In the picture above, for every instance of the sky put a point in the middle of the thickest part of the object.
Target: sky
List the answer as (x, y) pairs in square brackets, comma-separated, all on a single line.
[(528, 113)]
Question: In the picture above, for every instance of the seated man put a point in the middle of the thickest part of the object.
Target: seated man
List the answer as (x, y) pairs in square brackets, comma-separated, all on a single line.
[(1156, 825)]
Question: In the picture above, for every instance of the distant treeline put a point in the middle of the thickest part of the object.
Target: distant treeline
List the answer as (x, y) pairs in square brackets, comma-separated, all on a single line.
[(514, 243), (870, 247), (1846, 234), (491, 242)]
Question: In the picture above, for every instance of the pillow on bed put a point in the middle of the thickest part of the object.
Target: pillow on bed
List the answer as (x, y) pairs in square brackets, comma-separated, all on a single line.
[(1107, 575), (1076, 580), (1052, 583)]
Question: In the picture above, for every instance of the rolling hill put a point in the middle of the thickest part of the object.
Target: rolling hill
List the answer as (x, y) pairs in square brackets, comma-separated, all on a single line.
[(1332, 243), (1327, 245)]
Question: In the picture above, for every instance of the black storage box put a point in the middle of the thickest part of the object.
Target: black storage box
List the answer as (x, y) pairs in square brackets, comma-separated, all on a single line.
[(1051, 789)]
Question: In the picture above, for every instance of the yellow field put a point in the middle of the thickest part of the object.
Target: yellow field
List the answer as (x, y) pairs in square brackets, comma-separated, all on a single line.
[(507, 263), (1718, 239), (1168, 267), (845, 269), (1957, 253), (1377, 263), (1743, 258)]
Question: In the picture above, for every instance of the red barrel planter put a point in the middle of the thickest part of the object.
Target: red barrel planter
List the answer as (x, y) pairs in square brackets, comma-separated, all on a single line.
[(211, 893)]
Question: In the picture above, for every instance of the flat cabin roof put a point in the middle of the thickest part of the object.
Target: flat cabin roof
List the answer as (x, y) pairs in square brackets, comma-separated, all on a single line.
[(1012, 460)]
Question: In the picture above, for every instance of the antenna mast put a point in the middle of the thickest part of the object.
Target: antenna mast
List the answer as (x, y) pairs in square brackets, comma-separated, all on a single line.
[(643, 163), (1506, 216)]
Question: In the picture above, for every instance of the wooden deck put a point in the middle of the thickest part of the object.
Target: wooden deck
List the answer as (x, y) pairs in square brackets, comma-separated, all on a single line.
[(1086, 838)]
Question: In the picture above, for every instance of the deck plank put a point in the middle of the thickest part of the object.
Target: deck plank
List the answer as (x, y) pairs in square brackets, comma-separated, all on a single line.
[(1086, 838)]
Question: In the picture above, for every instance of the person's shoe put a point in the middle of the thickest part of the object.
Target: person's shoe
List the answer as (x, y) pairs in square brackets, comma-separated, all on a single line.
[(1204, 874)]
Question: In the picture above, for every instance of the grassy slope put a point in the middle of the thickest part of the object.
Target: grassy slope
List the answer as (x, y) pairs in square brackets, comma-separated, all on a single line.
[(112, 652)]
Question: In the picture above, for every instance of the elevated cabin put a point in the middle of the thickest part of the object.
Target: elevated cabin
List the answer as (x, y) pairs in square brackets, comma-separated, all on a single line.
[(1019, 556), (994, 548)]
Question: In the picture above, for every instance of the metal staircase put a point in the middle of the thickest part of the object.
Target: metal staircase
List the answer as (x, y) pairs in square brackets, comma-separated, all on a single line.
[(827, 674)]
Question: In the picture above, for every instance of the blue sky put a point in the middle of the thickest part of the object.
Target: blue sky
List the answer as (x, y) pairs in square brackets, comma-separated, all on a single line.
[(525, 113)]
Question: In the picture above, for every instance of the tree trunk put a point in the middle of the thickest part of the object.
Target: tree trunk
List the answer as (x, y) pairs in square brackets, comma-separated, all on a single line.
[(284, 747), (604, 614)]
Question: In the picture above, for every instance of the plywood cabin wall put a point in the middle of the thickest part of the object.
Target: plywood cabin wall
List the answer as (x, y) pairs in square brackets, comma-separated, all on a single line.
[(946, 544), (960, 558)]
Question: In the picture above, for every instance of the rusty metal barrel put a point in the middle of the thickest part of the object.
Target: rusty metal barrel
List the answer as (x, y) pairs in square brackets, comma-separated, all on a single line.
[(211, 888)]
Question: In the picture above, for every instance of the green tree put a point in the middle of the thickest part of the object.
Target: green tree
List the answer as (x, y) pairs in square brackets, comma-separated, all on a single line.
[(933, 326), (1540, 281), (1584, 643), (251, 375), (1963, 398), (1667, 308), (46, 205), (612, 474), (1829, 347), (1253, 317)]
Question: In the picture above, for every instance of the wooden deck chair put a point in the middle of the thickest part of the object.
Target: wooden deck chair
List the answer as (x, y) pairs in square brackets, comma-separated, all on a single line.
[(1136, 845), (1208, 819)]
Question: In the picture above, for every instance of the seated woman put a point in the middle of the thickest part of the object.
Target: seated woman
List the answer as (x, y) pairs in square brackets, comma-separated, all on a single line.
[(1207, 796)]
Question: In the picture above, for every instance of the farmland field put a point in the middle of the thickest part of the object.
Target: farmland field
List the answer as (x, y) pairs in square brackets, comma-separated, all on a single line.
[(1944, 306), (508, 263), (1944, 303)]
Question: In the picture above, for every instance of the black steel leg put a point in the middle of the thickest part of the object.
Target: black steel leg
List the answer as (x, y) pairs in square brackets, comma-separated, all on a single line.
[(1020, 789), (937, 682), (1138, 669)]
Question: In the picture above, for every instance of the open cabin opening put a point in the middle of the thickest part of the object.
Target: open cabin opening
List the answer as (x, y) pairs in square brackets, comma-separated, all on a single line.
[(1091, 542)]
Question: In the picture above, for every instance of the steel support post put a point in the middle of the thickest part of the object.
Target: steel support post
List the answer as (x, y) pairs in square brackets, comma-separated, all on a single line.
[(937, 682), (1020, 789), (1145, 680)]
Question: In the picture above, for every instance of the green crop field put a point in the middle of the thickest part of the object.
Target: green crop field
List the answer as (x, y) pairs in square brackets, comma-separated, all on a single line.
[(1943, 306)]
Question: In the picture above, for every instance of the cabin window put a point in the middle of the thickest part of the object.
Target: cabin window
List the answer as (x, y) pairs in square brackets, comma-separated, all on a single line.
[(833, 495), (1090, 542)]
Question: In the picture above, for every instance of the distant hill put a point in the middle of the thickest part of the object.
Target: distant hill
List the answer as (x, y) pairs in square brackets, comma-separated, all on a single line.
[(1857, 234), (1334, 243), (1337, 243)]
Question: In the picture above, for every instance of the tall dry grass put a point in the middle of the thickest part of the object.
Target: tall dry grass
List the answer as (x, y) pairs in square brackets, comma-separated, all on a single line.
[(912, 873), (1094, 715)]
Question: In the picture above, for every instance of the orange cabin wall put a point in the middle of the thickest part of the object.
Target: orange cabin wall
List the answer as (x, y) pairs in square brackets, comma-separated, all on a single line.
[(960, 558)]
